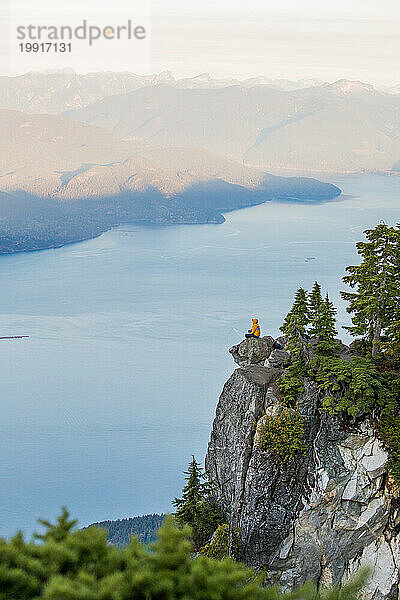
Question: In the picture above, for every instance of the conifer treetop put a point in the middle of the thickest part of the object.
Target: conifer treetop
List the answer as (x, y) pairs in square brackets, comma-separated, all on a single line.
[(374, 303)]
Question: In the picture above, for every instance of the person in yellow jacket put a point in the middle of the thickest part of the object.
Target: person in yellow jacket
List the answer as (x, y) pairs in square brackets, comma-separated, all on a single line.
[(255, 331)]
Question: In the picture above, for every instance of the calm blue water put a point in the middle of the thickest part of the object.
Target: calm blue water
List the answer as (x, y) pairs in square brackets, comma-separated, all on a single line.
[(115, 389)]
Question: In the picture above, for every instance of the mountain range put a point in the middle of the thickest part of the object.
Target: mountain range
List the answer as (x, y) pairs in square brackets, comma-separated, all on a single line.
[(341, 127), (61, 181), (55, 91), (82, 153), (305, 126)]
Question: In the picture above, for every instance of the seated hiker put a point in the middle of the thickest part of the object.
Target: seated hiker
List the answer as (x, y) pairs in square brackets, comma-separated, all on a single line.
[(255, 331)]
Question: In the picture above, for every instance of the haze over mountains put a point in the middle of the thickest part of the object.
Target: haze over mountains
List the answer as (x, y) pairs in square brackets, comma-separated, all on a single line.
[(55, 157), (306, 126), (341, 127), (57, 91), (156, 149), (62, 180)]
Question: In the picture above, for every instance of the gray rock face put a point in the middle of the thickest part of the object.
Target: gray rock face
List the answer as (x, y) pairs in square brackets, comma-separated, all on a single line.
[(278, 359), (241, 404), (323, 514), (252, 351)]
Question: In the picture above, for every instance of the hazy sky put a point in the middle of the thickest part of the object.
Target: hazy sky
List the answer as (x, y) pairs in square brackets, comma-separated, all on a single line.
[(356, 39)]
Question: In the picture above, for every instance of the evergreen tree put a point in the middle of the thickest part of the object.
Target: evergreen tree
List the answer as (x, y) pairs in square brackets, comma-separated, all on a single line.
[(294, 329), (314, 308), (298, 317), (328, 321), (296, 340), (59, 531), (193, 494), (196, 507), (391, 342), (375, 302), (324, 327)]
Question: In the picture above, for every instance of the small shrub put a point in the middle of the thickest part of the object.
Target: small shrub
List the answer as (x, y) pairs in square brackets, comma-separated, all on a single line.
[(282, 434), (218, 546)]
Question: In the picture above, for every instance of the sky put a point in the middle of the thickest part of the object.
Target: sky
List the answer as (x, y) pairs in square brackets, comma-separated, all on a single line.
[(353, 39)]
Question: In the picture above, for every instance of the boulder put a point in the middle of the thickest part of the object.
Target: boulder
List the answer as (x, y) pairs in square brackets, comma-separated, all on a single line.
[(252, 351), (278, 359)]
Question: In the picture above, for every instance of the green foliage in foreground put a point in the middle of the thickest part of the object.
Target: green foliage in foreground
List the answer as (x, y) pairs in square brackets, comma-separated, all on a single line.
[(66, 564), (282, 434)]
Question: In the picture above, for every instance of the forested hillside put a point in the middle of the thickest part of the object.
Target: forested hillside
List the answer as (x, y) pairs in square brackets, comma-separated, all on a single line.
[(120, 531)]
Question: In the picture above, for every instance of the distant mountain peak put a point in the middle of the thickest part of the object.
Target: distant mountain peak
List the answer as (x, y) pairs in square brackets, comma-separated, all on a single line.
[(164, 76), (202, 77), (344, 87), (394, 89)]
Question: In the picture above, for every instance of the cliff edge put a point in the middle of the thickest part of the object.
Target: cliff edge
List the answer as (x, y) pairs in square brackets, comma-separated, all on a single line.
[(318, 515)]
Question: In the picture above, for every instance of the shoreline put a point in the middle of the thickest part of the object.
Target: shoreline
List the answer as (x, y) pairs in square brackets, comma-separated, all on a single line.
[(218, 219), (313, 174)]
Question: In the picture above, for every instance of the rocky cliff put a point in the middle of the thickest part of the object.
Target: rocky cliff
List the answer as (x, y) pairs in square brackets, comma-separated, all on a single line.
[(320, 515)]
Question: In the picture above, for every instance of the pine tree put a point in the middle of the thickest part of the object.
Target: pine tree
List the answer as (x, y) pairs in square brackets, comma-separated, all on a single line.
[(192, 495), (375, 302), (314, 308), (59, 531), (196, 508), (391, 342), (294, 329), (322, 321), (326, 330), (298, 317)]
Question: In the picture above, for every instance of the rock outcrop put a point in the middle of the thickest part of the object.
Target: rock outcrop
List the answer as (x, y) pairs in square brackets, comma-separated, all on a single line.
[(252, 351), (322, 514)]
